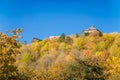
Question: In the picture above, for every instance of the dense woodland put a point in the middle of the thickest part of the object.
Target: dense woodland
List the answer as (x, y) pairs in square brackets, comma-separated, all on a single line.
[(92, 56)]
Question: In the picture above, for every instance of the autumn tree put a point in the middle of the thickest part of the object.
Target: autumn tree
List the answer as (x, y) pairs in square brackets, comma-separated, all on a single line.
[(68, 40), (9, 48)]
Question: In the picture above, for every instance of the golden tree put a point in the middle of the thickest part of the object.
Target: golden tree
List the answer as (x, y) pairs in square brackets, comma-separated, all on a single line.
[(9, 47)]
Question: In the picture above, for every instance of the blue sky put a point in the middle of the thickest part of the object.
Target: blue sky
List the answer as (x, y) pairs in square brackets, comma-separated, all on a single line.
[(43, 18)]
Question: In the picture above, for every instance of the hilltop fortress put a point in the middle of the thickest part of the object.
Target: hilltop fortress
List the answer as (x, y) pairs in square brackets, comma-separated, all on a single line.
[(90, 30)]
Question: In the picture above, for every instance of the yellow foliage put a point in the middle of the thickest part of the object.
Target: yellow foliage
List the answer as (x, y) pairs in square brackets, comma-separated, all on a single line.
[(98, 54), (81, 58), (62, 46), (79, 43), (114, 66), (68, 58)]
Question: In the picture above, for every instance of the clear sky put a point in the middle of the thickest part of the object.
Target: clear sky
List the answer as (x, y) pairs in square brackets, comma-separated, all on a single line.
[(43, 18)]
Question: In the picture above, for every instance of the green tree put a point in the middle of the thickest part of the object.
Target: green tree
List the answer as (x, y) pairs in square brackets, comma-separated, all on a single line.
[(36, 40), (62, 37), (77, 35)]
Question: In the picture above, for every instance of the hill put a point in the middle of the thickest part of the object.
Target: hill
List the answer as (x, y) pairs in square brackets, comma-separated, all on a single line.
[(95, 56), (74, 57)]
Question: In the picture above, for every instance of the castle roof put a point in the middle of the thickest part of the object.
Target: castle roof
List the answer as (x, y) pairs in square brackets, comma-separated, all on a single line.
[(90, 28)]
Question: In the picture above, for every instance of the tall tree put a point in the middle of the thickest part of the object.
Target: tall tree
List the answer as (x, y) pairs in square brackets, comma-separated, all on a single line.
[(62, 37), (9, 47)]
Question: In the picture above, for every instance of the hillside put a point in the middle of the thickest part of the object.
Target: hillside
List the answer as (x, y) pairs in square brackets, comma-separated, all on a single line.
[(87, 56)]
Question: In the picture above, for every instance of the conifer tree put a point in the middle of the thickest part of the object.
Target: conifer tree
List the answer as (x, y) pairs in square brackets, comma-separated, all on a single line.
[(62, 37)]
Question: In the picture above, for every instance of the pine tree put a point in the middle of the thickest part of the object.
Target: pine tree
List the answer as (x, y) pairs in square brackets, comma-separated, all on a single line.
[(62, 37)]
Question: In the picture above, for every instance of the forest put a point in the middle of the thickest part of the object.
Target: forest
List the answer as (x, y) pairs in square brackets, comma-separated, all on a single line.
[(85, 56)]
